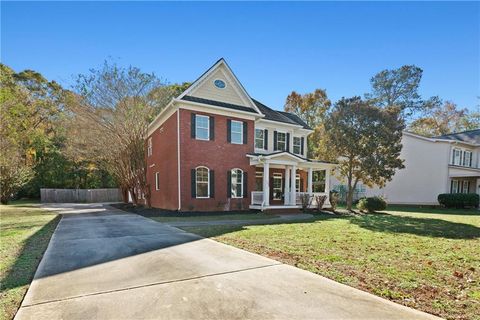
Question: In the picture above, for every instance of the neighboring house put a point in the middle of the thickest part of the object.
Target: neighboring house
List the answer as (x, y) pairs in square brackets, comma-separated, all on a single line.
[(215, 148), (443, 164)]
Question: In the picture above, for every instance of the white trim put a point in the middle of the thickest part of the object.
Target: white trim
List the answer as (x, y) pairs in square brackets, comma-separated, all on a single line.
[(231, 184), (279, 123), (219, 110), (149, 147), (178, 162), (277, 174), (241, 132), (407, 133), (224, 82), (232, 76), (208, 182), (208, 127), (161, 117), (299, 145), (275, 149), (255, 139)]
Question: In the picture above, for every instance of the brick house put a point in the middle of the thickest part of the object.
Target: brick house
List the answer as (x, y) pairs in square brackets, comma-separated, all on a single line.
[(215, 148)]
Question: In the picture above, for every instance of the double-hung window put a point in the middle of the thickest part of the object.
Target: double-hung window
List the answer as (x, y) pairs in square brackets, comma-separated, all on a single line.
[(467, 158), (457, 154), (202, 182), (466, 186), (237, 132), (297, 183), (149, 147), (281, 141), (277, 186), (259, 139), (297, 145), (318, 181), (202, 127), (237, 183), (157, 181), (454, 187)]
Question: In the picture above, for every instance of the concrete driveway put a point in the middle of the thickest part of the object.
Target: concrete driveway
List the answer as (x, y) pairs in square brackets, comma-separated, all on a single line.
[(103, 263)]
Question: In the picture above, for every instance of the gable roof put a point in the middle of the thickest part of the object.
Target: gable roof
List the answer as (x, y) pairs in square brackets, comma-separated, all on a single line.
[(218, 104), (470, 136), (280, 116)]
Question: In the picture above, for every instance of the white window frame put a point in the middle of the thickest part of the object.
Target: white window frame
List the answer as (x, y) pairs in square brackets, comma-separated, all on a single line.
[(263, 138), (259, 175), (455, 184), (465, 186), (277, 175), (299, 145), (284, 142), (455, 158), (467, 163), (232, 184), (157, 181), (150, 147), (241, 131), (297, 179), (197, 116), (196, 182)]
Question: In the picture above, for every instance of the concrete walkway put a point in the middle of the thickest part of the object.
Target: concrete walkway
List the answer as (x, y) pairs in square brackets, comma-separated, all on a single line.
[(103, 263)]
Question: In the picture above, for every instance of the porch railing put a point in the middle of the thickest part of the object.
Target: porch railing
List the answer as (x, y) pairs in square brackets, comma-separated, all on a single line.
[(257, 197)]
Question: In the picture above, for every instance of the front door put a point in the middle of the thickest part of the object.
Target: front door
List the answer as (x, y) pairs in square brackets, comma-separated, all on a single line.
[(277, 187)]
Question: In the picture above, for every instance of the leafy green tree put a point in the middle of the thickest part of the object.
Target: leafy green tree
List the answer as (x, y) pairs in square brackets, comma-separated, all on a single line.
[(312, 108), (399, 87), (445, 118), (367, 141)]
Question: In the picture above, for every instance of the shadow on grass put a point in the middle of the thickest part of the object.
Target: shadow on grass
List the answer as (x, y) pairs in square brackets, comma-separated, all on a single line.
[(426, 227), (22, 271), (435, 210)]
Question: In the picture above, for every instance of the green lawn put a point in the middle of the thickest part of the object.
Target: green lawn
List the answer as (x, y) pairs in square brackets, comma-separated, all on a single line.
[(247, 216), (428, 259), (25, 231)]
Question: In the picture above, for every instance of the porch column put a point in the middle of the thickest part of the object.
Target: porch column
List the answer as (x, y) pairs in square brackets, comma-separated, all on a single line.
[(287, 185), (293, 191), (327, 185), (266, 184), (309, 183)]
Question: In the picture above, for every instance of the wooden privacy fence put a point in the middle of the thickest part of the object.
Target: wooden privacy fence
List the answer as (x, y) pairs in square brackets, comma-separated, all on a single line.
[(80, 195)]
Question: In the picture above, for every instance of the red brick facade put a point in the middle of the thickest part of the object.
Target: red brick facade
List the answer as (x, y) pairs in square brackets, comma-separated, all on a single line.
[(218, 155)]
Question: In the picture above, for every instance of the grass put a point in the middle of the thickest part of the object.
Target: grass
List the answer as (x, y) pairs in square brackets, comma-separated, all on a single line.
[(428, 259), (25, 231)]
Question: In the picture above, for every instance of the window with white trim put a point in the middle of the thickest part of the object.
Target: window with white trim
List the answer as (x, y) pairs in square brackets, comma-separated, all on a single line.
[(258, 181), (277, 186), (297, 145), (157, 181), (454, 188), (236, 131), (149, 147), (466, 186), (457, 154), (202, 127), (259, 138), (467, 158), (281, 141), (318, 180), (237, 183), (297, 183), (202, 182)]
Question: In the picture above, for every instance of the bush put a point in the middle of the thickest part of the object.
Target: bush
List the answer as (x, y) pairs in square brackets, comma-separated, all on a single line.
[(459, 200), (334, 197), (320, 200), (372, 204), (306, 200)]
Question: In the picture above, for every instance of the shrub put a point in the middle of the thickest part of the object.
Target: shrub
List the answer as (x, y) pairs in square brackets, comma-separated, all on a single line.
[(306, 199), (459, 200), (320, 200), (372, 204), (334, 197)]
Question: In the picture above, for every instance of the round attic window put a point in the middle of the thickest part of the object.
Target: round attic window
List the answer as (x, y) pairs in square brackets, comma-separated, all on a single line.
[(219, 84)]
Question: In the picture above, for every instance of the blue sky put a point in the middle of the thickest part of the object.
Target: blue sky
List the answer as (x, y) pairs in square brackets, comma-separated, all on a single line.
[(273, 48)]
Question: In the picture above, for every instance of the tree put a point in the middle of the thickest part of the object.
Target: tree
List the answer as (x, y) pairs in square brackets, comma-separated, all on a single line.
[(112, 108), (445, 118), (312, 108), (399, 87), (367, 141)]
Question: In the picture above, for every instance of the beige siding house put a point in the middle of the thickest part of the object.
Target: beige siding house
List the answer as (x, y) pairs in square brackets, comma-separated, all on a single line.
[(444, 164)]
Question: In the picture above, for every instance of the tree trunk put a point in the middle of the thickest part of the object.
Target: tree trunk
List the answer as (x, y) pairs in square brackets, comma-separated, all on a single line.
[(124, 194), (349, 198), (134, 196)]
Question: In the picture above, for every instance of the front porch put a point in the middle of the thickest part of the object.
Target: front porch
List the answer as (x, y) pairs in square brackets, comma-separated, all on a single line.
[(282, 179)]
